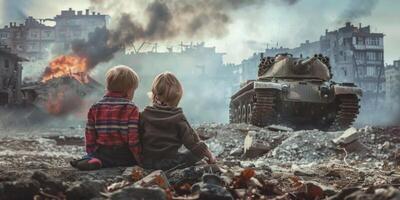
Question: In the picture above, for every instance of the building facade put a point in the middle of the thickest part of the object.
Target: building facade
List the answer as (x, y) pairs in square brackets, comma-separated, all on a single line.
[(10, 77), (75, 25), (357, 56), (34, 40), (31, 40), (392, 74)]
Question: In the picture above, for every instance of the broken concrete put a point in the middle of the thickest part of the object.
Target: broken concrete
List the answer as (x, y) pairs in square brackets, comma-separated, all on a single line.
[(156, 178), (138, 193), (350, 135)]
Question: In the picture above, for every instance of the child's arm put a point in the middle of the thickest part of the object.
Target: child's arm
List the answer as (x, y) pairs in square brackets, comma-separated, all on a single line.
[(192, 141), (90, 134), (133, 134)]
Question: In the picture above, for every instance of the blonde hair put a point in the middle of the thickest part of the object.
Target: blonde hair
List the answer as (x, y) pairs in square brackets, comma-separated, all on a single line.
[(121, 78), (166, 89)]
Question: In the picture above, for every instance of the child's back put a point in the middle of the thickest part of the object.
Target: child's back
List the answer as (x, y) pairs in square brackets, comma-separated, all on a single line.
[(111, 134), (164, 128)]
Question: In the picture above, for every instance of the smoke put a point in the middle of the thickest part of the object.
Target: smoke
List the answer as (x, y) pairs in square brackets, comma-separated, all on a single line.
[(163, 20), (14, 10), (357, 9)]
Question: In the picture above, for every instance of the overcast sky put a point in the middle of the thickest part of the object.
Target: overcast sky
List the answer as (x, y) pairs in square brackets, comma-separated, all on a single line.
[(253, 27)]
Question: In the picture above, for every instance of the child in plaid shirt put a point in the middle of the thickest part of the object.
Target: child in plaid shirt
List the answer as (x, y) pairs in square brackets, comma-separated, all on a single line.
[(111, 135)]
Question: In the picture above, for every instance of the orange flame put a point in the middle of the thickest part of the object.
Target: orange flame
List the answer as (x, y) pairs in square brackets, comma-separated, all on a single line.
[(67, 65), (54, 104)]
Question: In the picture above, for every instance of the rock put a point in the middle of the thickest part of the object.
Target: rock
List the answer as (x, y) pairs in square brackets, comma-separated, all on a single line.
[(355, 146), (19, 190), (211, 188), (386, 145), (191, 174), (389, 193), (279, 128), (347, 137), (298, 171), (157, 178), (85, 189), (236, 152), (138, 193), (48, 184), (344, 193), (310, 190), (134, 173), (254, 147)]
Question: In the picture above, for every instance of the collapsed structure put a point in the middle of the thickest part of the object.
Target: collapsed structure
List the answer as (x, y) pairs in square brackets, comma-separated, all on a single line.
[(10, 77), (35, 40)]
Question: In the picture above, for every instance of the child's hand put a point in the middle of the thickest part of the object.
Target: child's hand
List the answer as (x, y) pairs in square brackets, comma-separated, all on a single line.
[(211, 159)]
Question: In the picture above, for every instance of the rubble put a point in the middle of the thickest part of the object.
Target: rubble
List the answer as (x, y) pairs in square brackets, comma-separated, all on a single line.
[(296, 165), (138, 193), (349, 136)]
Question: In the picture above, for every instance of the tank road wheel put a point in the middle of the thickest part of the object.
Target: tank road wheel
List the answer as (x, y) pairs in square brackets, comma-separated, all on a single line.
[(348, 110), (264, 110)]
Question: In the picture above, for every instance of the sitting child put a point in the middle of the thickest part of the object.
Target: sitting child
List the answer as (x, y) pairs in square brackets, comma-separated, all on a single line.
[(111, 134), (164, 128)]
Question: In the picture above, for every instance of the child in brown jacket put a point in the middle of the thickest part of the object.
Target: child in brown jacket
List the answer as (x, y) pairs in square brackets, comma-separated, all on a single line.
[(164, 129)]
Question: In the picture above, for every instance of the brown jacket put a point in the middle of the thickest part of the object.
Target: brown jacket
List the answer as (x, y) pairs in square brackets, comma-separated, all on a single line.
[(164, 130)]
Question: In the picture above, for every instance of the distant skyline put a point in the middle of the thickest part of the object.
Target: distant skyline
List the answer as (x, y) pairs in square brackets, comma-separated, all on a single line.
[(253, 27)]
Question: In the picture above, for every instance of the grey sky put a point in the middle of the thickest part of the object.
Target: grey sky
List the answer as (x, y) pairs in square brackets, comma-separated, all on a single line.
[(253, 27)]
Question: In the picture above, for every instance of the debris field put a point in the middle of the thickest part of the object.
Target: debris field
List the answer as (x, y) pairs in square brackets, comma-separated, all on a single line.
[(274, 162)]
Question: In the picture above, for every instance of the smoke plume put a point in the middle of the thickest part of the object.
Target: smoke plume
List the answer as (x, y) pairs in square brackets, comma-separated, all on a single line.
[(14, 10), (357, 9), (164, 20)]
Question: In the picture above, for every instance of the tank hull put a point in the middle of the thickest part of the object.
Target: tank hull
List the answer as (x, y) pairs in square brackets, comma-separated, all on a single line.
[(297, 103)]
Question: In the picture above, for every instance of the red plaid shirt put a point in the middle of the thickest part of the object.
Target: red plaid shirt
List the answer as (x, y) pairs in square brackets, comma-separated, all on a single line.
[(113, 121)]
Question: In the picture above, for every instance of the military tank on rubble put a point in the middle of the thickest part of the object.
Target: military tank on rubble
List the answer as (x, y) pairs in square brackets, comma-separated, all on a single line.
[(297, 92)]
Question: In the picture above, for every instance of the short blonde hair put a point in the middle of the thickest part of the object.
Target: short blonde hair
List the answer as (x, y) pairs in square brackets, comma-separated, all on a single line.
[(167, 89), (121, 78)]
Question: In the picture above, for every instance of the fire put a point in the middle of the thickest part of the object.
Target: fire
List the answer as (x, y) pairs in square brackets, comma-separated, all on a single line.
[(54, 102), (67, 65), (62, 100)]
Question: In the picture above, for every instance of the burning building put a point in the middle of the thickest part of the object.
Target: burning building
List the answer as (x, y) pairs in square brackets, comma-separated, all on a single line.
[(65, 86)]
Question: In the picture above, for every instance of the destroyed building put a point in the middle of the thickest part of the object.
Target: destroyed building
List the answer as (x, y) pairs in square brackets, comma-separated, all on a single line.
[(10, 77), (392, 75), (34, 39), (74, 25), (356, 55), (30, 40)]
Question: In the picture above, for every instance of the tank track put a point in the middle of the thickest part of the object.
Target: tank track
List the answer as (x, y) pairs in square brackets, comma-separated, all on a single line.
[(348, 110), (264, 106)]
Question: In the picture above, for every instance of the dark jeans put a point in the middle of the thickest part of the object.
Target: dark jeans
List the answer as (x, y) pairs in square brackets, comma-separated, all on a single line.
[(114, 156), (181, 160)]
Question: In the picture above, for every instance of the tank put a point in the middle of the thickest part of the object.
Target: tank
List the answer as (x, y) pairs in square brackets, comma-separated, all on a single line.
[(298, 92)]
